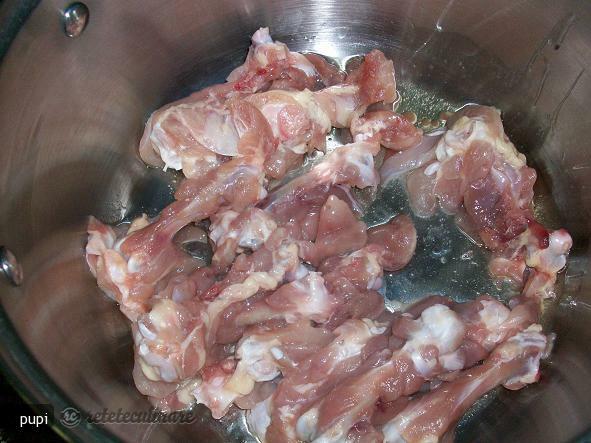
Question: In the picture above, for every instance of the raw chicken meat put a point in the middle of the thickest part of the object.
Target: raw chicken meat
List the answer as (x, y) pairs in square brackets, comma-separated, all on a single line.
[(233, 232), (479, 175), (318, 375), (267, 268), (287, 321), (415, 157), (439, 330), (372, 82), (533, 258), (513, 364), (438, 343), (273, 61), (193, 135), (306, 298), (399, 238), (375, 77), (173, 338), (329, 73), (478, 169), (301, 119), (391, 130), (135, 264), (338, 232), (198, 133), (298, 121), (259, 356)]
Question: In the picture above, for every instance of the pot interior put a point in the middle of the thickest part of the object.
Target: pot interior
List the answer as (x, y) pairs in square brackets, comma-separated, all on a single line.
[(73, 111)]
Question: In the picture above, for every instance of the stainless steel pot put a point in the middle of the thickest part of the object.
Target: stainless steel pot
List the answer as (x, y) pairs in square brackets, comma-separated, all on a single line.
[(72, 111)]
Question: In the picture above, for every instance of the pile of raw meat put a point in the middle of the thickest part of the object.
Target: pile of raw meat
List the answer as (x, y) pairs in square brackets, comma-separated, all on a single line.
[(287, 321)]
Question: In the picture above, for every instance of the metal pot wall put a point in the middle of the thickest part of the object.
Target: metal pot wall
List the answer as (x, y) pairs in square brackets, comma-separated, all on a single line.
[(72, 111)]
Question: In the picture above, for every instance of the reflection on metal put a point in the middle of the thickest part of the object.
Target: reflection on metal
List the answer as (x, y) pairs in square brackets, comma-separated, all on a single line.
[(571, 88), (75, 19), (11, 269), (198, 250)]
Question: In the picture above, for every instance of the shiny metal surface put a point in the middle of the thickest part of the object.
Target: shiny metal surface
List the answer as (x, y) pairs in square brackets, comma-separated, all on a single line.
[(73, 111), (11, 269), (75, 19)]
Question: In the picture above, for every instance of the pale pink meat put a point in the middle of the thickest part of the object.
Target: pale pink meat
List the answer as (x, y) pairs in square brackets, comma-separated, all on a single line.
[(363, 305), (375, 77), (198, 133), (134, 265), (363, 432), (512, 364), (259, 357), (361, 270), (287, 321), (356, 278), (391, 130), (306, 298), (298, 121), (477, 169), (438, 332), (187, 286), (419, 306), (116, 276), (156, 389), (351, 164), (328, 72), (402, 162), (260, 393), (422, 199), (348, 164), (338, 232), (480, 169), (282, 161), (232, 232), (479, 175), (399, 238), (540, 252), (372, 82), (297, 208), (318, 376), (170, 342), (173, 337), (284, 262), (342, 103), (192, 136), (345, 292), (100, 239), (438, 343), (274, 60)]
